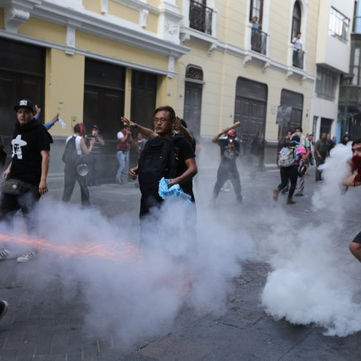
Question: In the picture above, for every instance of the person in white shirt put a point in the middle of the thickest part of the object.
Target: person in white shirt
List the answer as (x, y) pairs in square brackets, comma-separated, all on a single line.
[(297, 51)]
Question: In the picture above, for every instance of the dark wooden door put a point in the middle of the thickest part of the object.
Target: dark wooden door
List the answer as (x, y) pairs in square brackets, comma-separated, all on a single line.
[(103, 106), (144, 95), (193, 107), (294, 100), (22, 69), (250, 111), (326, 125)]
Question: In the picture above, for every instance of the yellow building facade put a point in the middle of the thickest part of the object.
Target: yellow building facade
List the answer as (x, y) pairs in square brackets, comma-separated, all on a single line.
[(215, 61)]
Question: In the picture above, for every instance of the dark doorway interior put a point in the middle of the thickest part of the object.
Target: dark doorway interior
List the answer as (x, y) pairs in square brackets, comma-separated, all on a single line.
[(326, 125), (144, 94), (193, 107), (22, 69), (103, 106), (294, 100)]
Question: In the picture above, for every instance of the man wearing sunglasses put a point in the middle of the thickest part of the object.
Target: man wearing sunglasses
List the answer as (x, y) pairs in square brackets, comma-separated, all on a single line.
[(354, 180)]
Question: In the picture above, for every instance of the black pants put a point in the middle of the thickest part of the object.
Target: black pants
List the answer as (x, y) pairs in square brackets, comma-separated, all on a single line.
[(70, 177), (11, 203), (95, 168), (228, 170), (319, 161), (288, 174)]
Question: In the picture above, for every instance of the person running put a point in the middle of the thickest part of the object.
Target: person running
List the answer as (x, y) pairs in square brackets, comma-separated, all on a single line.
[(229, 148), (354, 180), (289, 158), (26, 176)]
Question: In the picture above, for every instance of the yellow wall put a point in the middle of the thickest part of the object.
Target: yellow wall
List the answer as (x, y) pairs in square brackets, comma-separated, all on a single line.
[(154, 3), (152, 23), (123, 12), (112, 48), (43, 30), (167, 92), (2, 25), (221, 71), (64, 89), (92, 5)]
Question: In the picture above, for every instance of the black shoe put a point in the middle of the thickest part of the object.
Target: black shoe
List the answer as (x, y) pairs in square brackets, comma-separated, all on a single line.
[(3, 308)]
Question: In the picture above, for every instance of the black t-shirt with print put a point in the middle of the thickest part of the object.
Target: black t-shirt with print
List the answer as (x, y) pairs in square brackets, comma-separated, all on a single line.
[(183, 151), (228, 153), (27, 143)]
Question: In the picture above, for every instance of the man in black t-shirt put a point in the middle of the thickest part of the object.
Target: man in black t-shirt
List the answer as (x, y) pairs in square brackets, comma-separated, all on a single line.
[(26, 176), (185, 166), (227, 169)]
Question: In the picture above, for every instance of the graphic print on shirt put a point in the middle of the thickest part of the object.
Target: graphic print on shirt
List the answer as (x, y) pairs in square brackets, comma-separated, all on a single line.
[(16, 145)]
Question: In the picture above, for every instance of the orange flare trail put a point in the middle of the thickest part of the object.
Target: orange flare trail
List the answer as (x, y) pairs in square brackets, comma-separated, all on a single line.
[(128, 252)]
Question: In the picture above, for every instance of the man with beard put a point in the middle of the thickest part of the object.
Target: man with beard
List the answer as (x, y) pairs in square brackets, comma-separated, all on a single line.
[(354, 180), (229, 148), (26, 176)]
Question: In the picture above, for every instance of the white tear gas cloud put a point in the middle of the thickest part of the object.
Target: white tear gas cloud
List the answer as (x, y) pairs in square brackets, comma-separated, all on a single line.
[(315, 279), (132, 292)]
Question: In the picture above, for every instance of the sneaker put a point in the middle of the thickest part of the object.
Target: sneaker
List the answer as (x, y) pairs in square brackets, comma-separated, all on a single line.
[(26, 257), (3, 308), (290, 201), (4, 254)]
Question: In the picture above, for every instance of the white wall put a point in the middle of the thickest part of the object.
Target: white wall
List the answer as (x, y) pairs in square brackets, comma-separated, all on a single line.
[(330, 50)]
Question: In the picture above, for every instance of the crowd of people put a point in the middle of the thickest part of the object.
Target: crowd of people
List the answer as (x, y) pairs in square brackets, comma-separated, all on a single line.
[(167, 151)]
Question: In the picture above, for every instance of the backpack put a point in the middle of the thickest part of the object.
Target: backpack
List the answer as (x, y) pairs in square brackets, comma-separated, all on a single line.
[(156, 161), (287, 157), (70, 155)]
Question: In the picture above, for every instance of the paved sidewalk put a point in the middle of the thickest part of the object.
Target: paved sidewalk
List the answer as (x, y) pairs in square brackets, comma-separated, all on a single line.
[(46, 327)]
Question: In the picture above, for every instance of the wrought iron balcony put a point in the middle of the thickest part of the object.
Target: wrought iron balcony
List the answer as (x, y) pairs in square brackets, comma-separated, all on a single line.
[(200, 17), (259, 41), (297, 58)]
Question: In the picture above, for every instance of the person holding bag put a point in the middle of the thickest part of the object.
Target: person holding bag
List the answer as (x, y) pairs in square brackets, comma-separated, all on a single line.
[(26, 176)]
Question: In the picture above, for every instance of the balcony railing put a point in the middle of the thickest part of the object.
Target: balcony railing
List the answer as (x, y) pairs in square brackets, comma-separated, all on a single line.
[(259, 41), (297, 58), (200, 17)]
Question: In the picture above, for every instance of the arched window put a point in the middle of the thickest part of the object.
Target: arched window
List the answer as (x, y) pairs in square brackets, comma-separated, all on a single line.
[(296, 19), (194, 72)]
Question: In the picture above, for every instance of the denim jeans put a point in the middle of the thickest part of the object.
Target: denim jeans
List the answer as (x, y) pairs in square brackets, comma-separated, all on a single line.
[(123, 160)]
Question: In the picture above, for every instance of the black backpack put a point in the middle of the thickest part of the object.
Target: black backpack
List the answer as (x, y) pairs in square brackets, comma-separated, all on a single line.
[(70, 155), (157, 160)]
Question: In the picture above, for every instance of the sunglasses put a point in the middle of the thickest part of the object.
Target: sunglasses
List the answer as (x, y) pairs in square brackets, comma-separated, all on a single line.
[(358, 149)]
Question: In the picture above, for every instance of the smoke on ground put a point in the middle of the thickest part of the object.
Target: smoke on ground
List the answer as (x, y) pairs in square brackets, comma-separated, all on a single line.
[(315, 279)]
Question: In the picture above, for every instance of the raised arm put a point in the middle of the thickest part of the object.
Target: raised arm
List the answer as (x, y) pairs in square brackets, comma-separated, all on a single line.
[(149, 133), (224, 131)]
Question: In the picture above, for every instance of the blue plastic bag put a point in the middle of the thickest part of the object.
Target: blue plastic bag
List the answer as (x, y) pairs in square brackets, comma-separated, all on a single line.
[(175, 190)]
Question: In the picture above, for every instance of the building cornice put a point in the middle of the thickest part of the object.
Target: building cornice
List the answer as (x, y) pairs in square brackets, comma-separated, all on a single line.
[(138, 5), (88, 54), (107, 26)]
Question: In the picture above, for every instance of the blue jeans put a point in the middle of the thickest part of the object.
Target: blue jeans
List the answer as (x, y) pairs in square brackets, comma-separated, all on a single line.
[(123, 160)]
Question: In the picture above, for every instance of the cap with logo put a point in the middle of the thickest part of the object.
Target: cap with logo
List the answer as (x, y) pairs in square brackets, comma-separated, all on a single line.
[(24, 103)]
